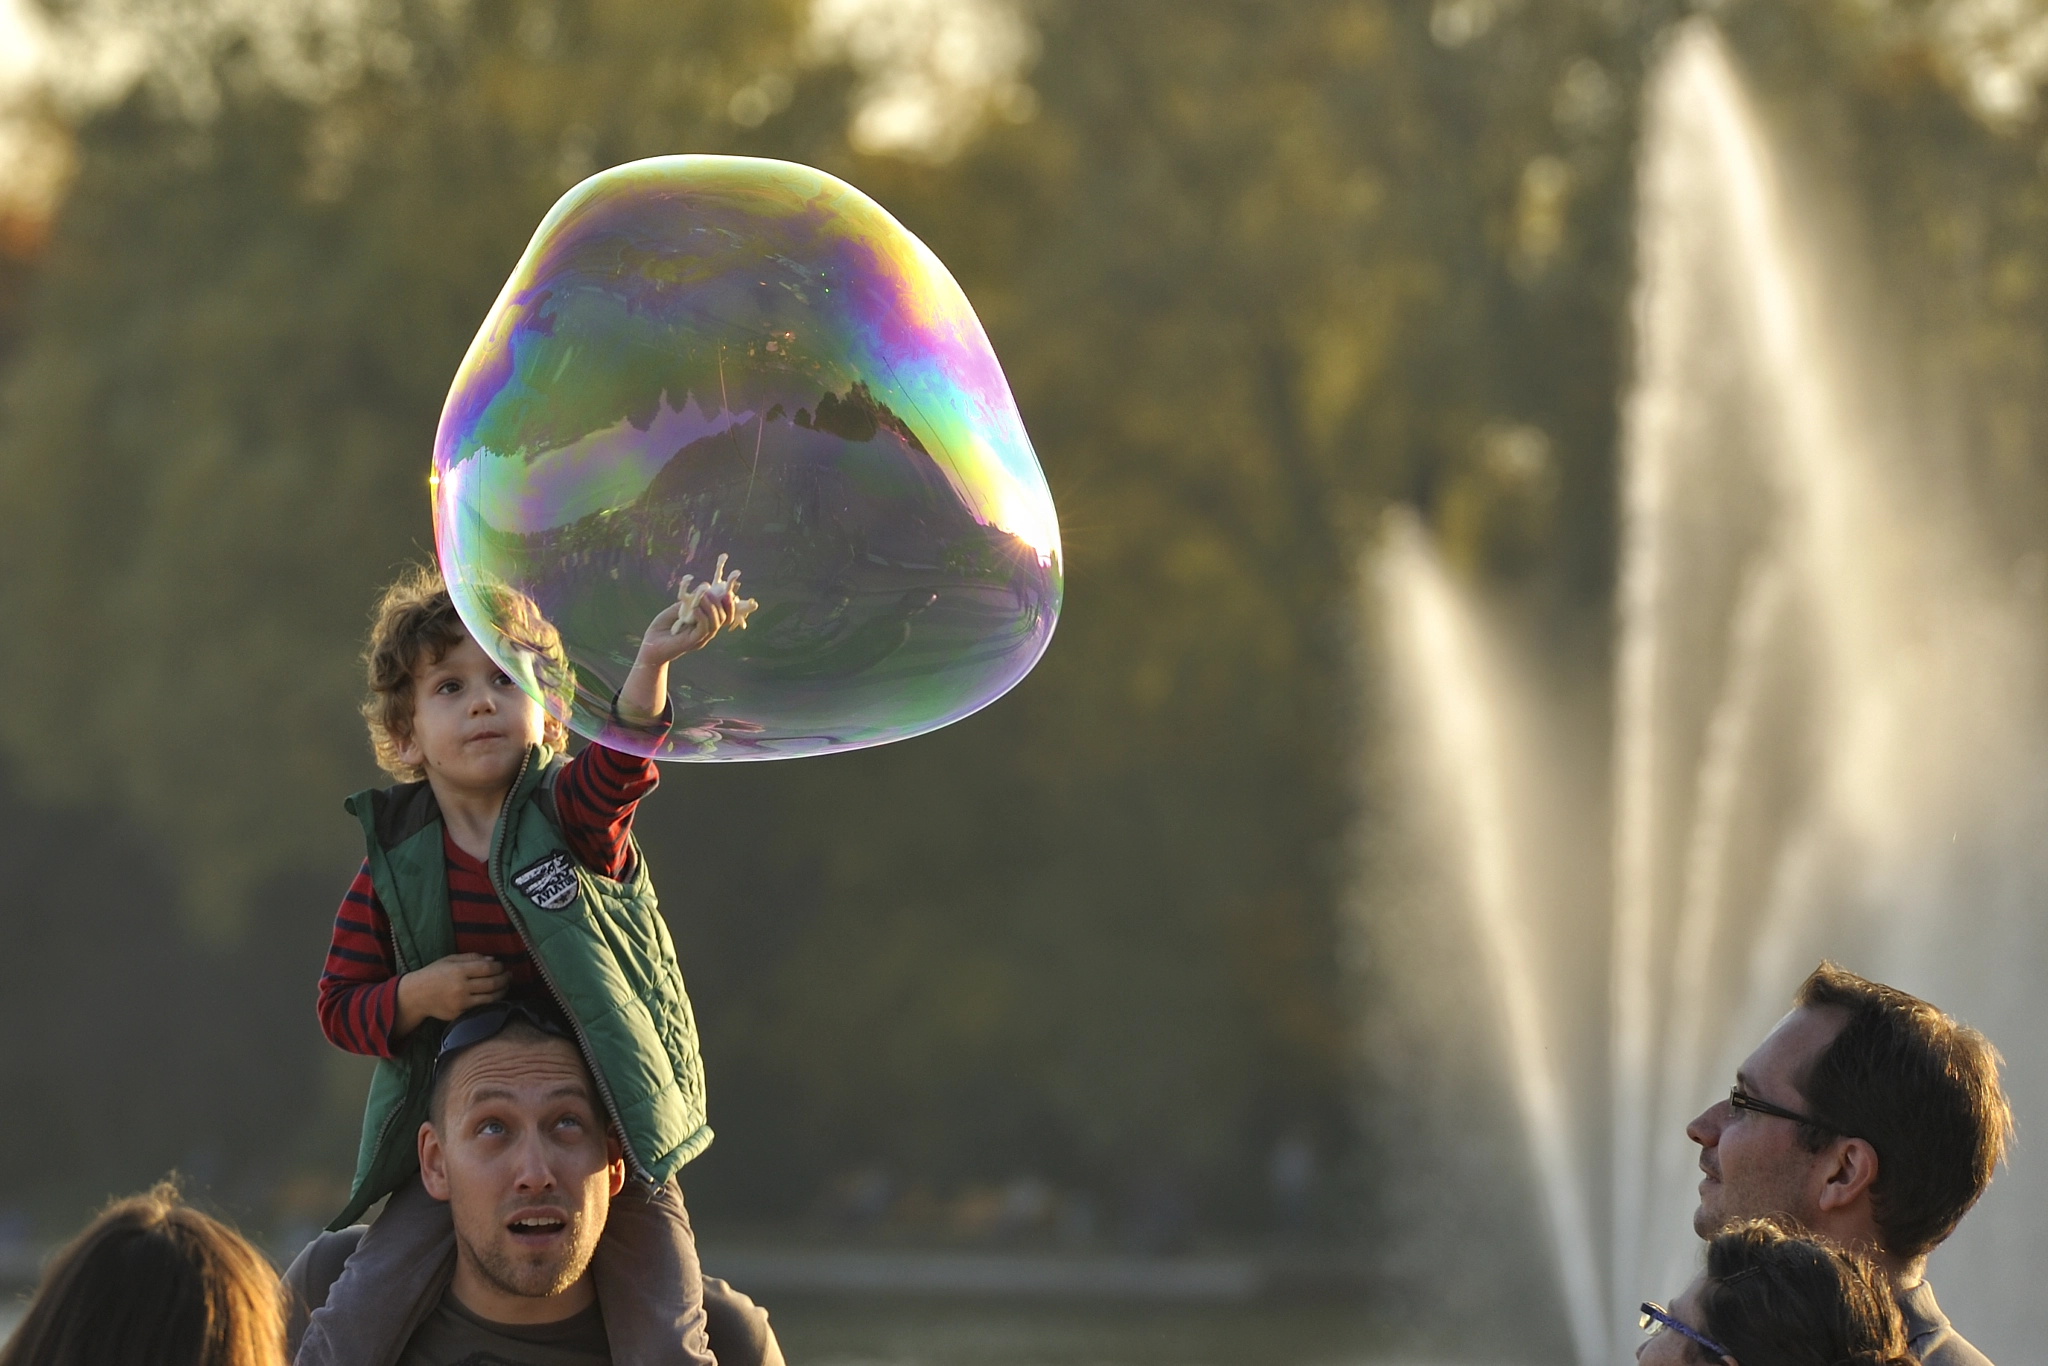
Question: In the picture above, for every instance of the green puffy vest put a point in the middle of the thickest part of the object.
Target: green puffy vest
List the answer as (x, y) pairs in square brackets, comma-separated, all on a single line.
[(600, 945)]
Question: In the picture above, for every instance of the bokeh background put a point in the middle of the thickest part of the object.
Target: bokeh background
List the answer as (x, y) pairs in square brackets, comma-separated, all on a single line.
[(1084, 971)]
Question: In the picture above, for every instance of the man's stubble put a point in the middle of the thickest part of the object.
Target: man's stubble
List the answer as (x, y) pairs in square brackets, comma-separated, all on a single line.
[(507, 1271)]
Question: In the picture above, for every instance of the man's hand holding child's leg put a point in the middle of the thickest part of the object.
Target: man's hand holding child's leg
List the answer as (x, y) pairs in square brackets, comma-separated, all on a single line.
[(444, 989)]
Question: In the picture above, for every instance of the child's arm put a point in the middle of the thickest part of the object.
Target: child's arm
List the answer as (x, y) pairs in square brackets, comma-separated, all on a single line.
[(687, 624), (365, 1006), (594, 802), (448, 986), (598, 789), (359, 987)]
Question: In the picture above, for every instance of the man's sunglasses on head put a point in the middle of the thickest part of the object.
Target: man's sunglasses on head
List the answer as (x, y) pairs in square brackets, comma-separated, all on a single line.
[(479, 1023)]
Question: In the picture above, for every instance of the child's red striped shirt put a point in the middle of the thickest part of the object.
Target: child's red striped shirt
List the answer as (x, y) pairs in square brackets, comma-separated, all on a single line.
[(594, 800)]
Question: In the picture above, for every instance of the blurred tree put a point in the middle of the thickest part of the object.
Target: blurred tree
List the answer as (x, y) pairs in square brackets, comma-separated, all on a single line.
[(240, 345), (1255, 272), (1929, 139)]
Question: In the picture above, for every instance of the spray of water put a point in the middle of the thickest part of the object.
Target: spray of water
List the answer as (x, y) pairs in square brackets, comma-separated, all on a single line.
[(1448, 687), (1828, 724), (1723, 768)]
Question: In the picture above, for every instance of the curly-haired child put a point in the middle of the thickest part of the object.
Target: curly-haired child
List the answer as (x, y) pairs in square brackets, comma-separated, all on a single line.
[(498, 869)]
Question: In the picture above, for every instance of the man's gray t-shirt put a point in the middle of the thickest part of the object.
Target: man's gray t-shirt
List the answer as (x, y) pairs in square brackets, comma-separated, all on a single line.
[(452, 1336), (1934, 1339)]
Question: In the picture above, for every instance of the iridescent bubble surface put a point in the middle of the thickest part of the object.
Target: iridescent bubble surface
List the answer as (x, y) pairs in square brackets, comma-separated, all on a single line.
[(701, 356)]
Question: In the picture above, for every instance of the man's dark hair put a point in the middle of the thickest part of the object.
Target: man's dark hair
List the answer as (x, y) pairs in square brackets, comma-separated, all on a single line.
[(516, 1030), (1921, 1089)]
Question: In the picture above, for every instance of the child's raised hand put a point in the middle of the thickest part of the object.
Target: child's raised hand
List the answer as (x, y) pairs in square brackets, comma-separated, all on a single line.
[(700, 612), (448, 986)]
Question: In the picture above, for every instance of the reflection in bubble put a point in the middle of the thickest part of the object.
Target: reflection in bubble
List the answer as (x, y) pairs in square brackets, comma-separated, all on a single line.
[(705, 356)]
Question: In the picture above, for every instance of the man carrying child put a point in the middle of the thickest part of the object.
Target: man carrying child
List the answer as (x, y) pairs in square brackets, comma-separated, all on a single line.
[(527, 1269), (499, 871)]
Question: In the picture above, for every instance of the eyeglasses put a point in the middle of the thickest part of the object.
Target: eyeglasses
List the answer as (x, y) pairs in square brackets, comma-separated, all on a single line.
[(472, 1027), (1740, 1099), (1654, 1319)]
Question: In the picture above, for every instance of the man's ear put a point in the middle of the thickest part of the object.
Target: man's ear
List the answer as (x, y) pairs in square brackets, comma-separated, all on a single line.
[(1850, 1176), (433, 1162), (615, 1160)]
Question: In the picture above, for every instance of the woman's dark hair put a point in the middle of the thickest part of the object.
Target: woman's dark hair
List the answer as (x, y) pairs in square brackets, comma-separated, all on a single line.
[(153, 1282), (1776, 1297)]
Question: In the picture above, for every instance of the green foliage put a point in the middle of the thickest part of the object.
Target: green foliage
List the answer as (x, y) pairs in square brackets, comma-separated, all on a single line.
[(215, 441), (1255, 272), (1949, 203)]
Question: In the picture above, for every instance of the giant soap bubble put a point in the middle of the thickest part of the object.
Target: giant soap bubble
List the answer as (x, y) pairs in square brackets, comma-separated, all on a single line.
[(702, 356)]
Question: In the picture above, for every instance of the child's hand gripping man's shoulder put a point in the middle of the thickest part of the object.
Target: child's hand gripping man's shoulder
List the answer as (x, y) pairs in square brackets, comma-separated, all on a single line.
[(484, 869)]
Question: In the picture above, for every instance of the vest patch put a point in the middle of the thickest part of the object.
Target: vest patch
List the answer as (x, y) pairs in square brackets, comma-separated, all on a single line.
[(549, 883)]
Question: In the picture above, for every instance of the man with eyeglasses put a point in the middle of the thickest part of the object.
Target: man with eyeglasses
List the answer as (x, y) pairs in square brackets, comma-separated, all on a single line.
[(1870, 1118)]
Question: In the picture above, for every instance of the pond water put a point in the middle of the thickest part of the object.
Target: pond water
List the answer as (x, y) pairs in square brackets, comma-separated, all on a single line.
[(842, 1330), (837, 1330)]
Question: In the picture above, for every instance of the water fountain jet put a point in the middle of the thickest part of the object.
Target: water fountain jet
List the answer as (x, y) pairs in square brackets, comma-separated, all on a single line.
[(1822, 681)]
